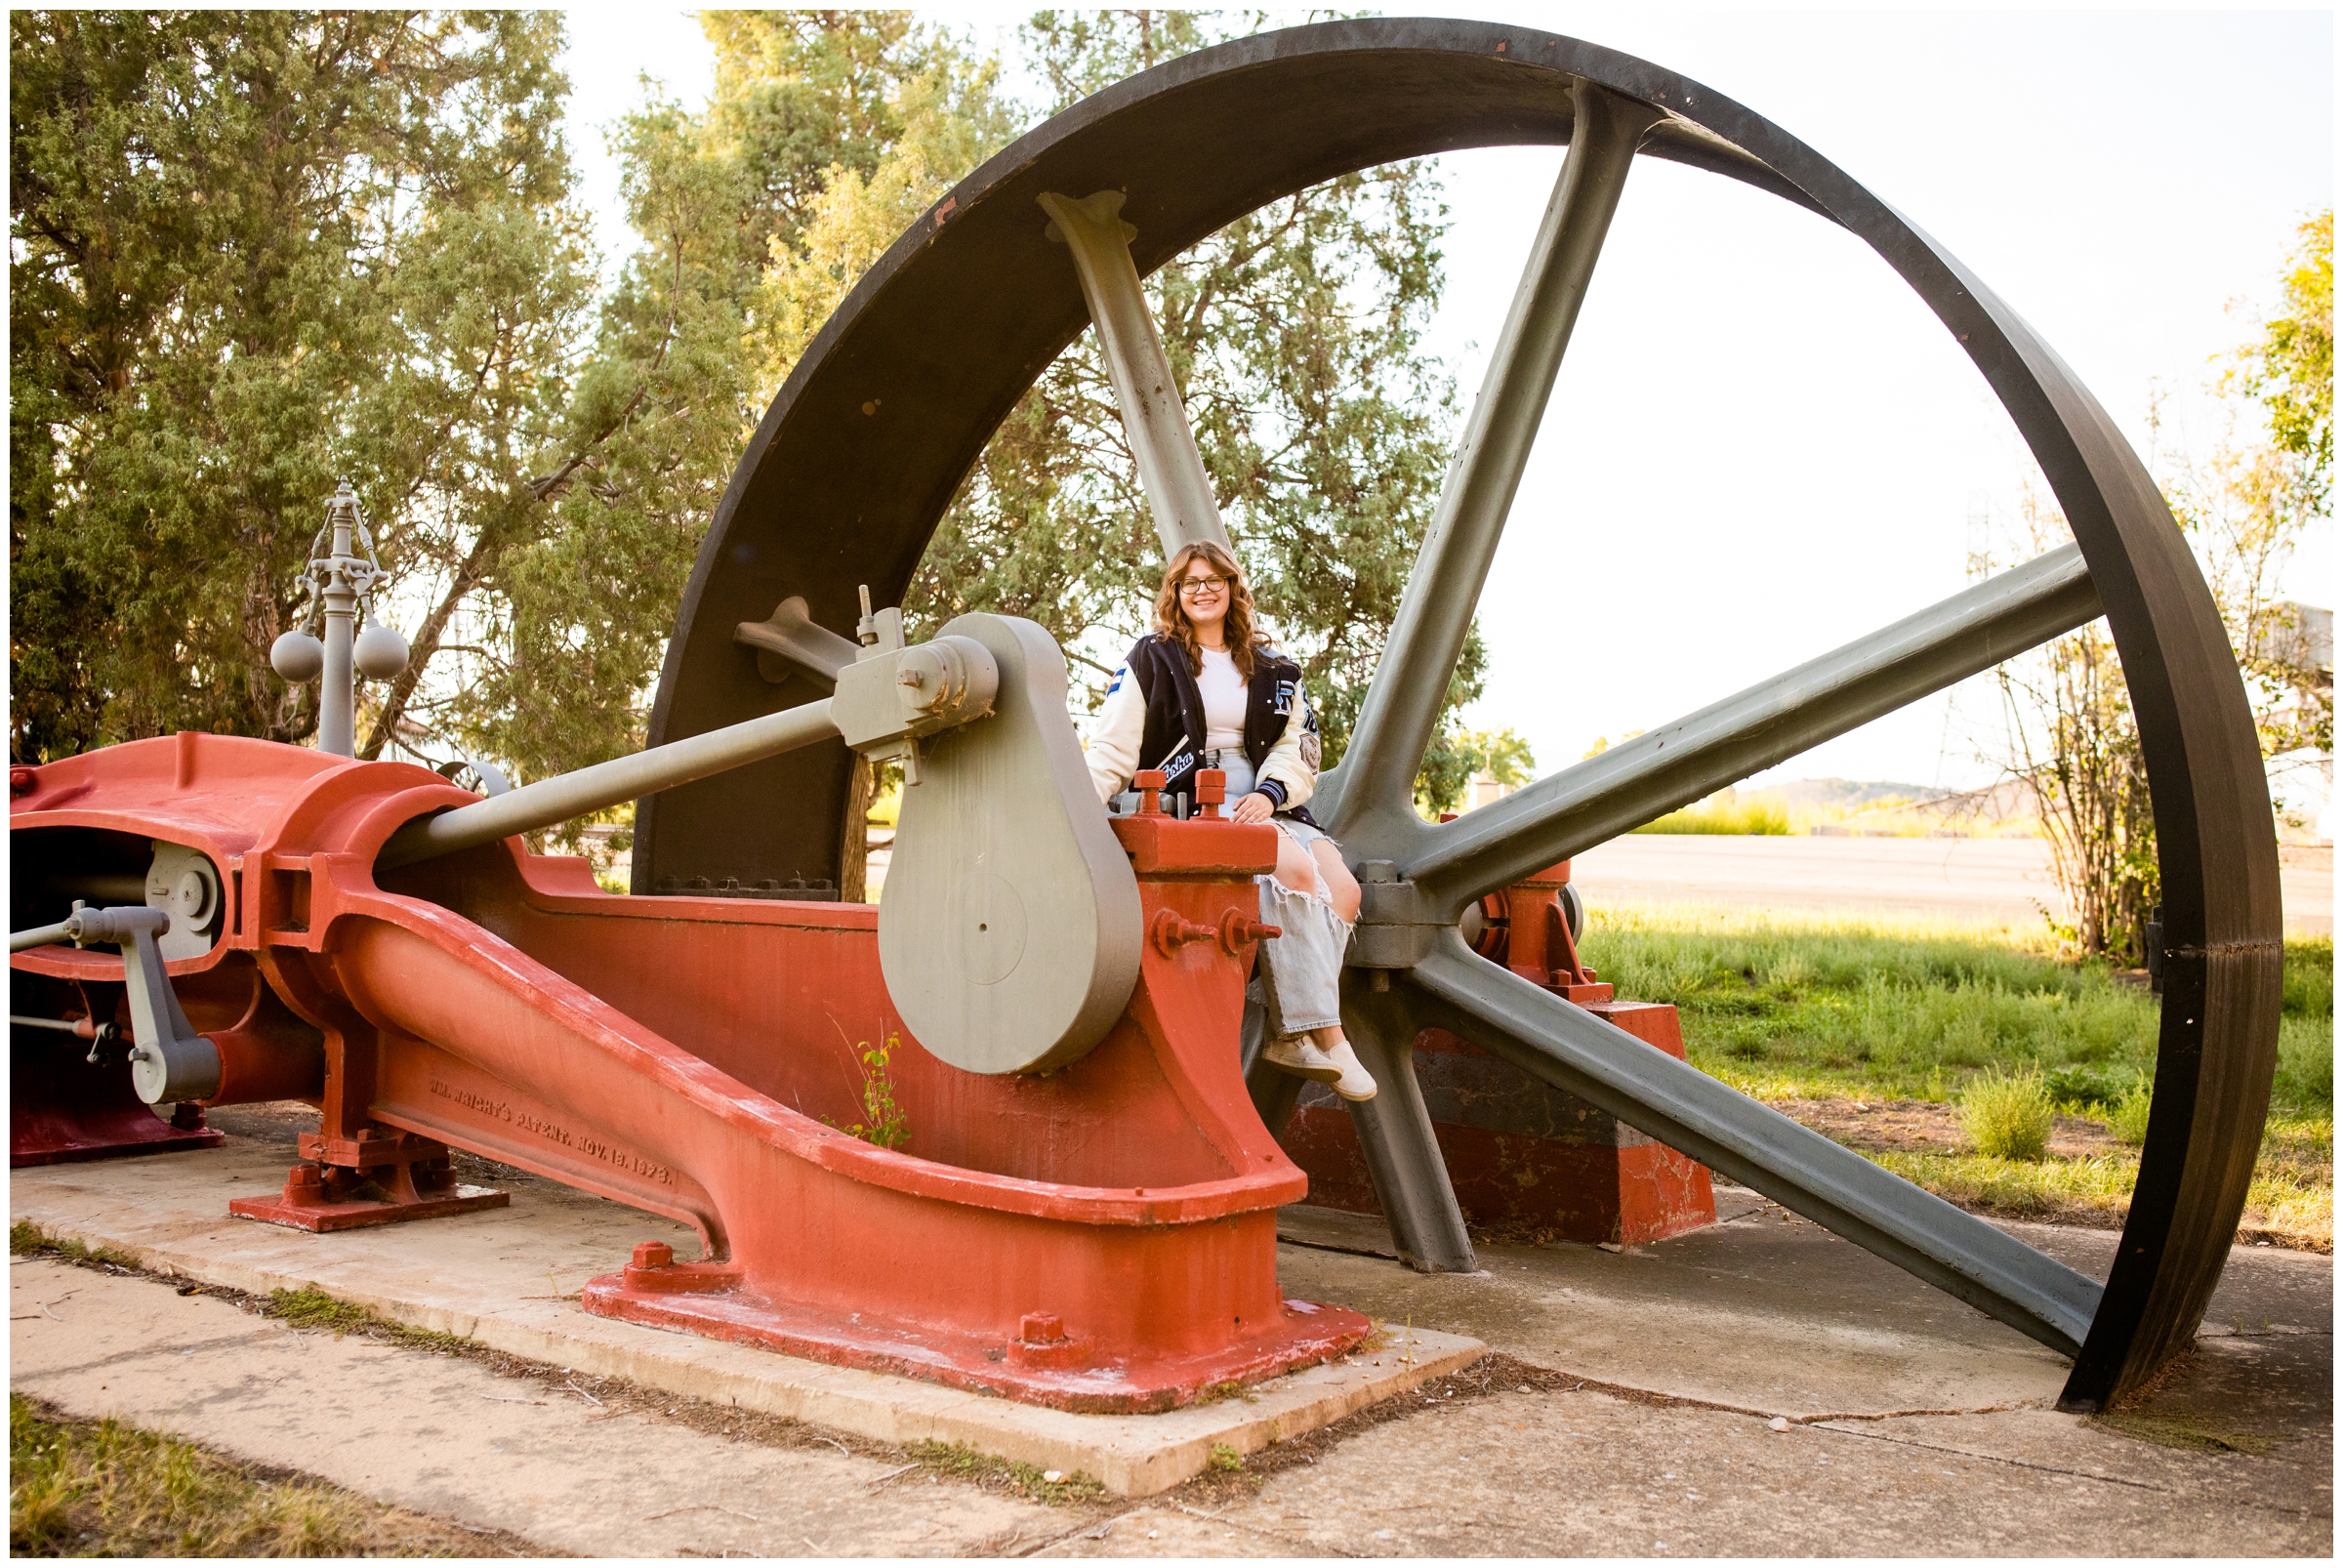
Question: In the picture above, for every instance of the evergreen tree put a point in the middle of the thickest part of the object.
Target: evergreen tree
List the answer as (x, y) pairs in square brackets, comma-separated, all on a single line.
[(254, 252)]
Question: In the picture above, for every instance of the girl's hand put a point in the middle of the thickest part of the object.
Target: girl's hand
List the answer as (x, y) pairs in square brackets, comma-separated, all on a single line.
[(1255, 807)]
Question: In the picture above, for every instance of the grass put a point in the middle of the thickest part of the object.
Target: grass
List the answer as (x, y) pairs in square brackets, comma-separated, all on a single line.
[(1766, 817), (2007, 1115), (1055, 1488), (107, 1489), (306, 1308), (24, 1236), (312, 1309), (1880, 1009)]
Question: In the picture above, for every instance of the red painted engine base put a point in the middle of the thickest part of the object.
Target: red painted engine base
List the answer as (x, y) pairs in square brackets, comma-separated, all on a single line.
[(1039, 1364), (351, 1183), (1100, 1237), (64, 1109), (105, 1124)]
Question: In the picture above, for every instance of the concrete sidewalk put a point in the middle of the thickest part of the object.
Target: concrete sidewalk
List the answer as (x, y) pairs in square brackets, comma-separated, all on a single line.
[(1914, 1426)]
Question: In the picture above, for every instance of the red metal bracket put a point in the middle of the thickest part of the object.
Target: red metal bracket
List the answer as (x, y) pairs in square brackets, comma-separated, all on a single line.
[(381, 1180)]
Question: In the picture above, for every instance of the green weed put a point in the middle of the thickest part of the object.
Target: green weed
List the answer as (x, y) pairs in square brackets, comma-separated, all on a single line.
[(887, 1122), (959, 1460), (2007, 1114), (1225, 1459), (312, 1309), (24, 1236), (2127, 1118)]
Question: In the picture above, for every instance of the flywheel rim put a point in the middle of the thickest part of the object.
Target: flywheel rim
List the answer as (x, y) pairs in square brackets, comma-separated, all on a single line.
[(878, 425)]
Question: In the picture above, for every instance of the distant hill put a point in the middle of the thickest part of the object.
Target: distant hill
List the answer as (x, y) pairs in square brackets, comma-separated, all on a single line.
[(1845, 791)]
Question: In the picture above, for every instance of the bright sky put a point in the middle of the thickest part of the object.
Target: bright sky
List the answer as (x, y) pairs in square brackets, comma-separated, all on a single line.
[(1761, 445)]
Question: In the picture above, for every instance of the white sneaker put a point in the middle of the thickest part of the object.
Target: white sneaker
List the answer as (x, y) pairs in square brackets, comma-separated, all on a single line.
[(1354, 1082), (1301, 1057)]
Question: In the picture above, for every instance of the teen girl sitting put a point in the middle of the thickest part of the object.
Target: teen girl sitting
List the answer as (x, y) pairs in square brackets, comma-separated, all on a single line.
[(1206, 689)]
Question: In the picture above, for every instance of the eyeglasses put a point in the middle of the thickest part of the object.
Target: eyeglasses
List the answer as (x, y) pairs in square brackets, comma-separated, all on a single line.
[(1196, 586)]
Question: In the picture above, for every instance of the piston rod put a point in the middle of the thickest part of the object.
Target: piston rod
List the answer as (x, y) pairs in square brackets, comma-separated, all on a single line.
[(887, 701), (553, 800)]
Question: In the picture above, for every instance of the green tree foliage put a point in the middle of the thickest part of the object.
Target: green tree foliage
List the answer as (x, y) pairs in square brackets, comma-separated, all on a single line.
[(1502, 754), (258, 250), (2292, 370), (252, 251), (2071, 731), (678, 371), (2269, 480), (1295, 335)]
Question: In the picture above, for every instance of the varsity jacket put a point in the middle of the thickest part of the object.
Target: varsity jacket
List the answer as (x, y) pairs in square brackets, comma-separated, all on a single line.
[(1154, 717)]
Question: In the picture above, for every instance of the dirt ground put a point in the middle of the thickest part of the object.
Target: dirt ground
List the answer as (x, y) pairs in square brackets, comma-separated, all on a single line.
[(1918, 1126)]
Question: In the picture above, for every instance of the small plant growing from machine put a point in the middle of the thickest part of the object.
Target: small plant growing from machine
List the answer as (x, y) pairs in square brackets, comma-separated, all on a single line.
[(884, 1121)]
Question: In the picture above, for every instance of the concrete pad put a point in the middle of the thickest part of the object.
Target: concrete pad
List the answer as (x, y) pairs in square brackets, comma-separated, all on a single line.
[(1762, 1311), (1933, 1432), (1582, 1474), (507, 1279)]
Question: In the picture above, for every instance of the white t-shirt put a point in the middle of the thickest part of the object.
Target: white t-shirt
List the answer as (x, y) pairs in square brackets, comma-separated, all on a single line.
[(1224, 692)]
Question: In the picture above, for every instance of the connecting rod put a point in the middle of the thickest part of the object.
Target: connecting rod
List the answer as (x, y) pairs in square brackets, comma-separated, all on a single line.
[(1170, 469), (567, 795), (885, 701)]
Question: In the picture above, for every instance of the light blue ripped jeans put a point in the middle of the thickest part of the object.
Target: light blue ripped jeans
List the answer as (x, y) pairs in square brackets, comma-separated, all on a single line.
[(1301, 973)]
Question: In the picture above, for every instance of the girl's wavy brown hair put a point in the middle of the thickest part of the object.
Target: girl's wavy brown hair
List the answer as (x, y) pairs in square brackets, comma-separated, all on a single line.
[(1237, 632)]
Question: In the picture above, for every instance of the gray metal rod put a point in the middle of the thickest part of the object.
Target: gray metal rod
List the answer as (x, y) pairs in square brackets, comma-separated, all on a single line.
[(1803, 1171), (1402, 707), (558, 799), (1163, 442), (337, 688), (1651, 776), (39, 936), (1396, 1135), (22, 1021)]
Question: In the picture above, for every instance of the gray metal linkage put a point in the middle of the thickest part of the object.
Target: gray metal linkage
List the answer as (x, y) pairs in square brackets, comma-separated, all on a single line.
[(169, 1061)]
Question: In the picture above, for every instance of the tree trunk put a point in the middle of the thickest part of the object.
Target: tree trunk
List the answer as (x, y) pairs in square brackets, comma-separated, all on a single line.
[(854, 845)]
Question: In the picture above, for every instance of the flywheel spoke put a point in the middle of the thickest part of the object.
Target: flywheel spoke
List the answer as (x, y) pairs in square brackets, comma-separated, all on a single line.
[(1803, 1171), (1378, 772), (1172, 470), (1655, 773)]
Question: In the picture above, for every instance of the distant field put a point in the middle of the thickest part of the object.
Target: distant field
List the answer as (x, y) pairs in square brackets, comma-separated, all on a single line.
[(2002, 880), (1826, 1015)]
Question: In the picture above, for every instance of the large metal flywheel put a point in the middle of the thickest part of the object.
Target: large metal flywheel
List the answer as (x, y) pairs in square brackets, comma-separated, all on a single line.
[(865, 446)]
